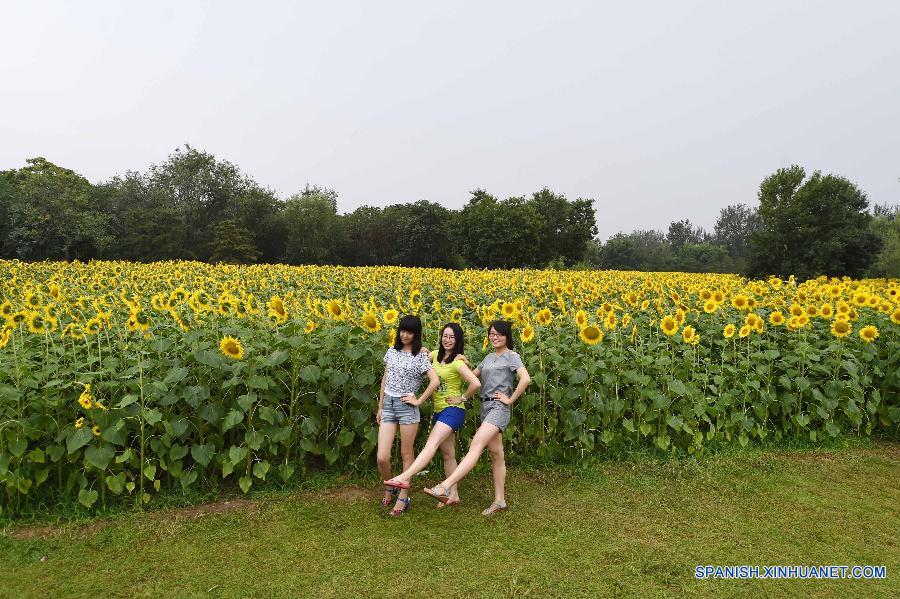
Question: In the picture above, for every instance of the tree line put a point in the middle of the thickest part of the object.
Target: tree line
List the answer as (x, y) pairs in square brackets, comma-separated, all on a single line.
[(197, 207)]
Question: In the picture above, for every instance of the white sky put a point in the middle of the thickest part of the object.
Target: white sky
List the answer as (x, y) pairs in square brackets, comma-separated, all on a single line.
[(657, 110)]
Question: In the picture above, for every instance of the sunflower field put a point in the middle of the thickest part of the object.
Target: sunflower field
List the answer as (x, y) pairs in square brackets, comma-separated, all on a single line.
[(124, 379)]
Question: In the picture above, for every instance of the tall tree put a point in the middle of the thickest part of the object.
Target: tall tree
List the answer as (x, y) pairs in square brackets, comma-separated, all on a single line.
[(233, 243), (313, 229), (682, 232), (53, 213), (566, 226), (733, 229), (812, 227)]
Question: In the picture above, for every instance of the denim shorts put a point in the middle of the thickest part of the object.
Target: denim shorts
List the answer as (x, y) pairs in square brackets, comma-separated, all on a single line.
[(495, 412), (451, 416), (397, 412)]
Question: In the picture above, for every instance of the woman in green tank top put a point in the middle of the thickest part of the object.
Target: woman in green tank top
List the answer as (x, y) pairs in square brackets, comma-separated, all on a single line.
[(451, 368)]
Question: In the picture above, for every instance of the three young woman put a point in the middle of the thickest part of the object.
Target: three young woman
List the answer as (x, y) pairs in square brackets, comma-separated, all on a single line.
[(449, 413), (398, 406), (497, 373)]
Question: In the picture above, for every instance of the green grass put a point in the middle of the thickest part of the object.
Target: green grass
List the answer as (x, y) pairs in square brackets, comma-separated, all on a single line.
[(635, 528)]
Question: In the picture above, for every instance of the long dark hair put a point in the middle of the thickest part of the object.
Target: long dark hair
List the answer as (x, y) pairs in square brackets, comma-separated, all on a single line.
[(410, 324), (504, 328), (457, 347)]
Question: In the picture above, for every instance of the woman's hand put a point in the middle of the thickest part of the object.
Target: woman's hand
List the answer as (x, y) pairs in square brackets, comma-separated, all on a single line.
[(378, 416), (454, 401), (411, 400), (502, 398), (464, 359)]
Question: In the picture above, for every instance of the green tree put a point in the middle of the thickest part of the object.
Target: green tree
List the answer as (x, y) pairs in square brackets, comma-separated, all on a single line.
[(886, 225), (733, 229), (314, 230), (233, 243), (566, 226), (368, 238), (682, 232), (53, 213), (420, 234), (639, 250), (812, 226), (492, 234)]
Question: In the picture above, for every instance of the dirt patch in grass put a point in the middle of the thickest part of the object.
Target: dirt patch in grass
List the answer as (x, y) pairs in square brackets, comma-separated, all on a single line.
[(224, 506), (33, 533), (345, 494), (86, 529)]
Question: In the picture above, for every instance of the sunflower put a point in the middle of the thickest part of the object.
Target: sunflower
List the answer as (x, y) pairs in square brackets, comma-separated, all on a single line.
[(895, 316), (751, 319), (392, 337), (79, 422), (370, 322), (745, 330), (669, 326), (85, 399), (728, 333), (740, 302), (581, 318), (688, 333), (96, 430), (797, 310), (92, 326), (868, 334), (335, 310), (710, 306), (277, 311), (527, 334), (610, 322), (545, 316), (455, 315), (310, 326), (776, 318), (6, 310), (389, 316), (231, 347), (591, 335), (508, 310), (841, 328), (37, 324), (826, 311)]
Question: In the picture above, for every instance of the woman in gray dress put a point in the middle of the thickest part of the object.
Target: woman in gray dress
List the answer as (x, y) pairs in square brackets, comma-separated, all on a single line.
[(497, 372)]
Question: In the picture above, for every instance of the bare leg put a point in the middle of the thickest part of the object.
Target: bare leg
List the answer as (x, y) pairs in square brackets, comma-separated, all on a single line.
[(448, 448), (438, 435), (407, 454), (482, 437), (387, 432), (498, 467)]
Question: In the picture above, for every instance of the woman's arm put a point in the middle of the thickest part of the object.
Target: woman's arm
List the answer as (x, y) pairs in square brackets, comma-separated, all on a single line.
[(381, 397), (433, 383), (524, 381), (471, 390)]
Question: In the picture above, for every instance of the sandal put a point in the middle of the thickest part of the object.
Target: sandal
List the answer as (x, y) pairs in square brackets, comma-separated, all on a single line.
[(400, 512), (494, 508), (442, 497), (396, 484), (441, 505), (393, 491)]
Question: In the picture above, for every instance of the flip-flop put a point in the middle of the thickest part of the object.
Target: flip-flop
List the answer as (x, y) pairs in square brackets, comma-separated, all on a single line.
[(442, 497), (494, 508), (441, 505), (398, 484)]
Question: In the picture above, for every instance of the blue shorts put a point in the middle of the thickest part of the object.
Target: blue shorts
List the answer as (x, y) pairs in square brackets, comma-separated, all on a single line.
[(451, 416)]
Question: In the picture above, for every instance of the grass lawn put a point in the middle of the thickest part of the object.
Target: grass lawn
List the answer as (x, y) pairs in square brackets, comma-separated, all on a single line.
[(616, 528)]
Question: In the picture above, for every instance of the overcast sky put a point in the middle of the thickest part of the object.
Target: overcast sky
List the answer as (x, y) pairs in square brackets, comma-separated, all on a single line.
[(658, 111)]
